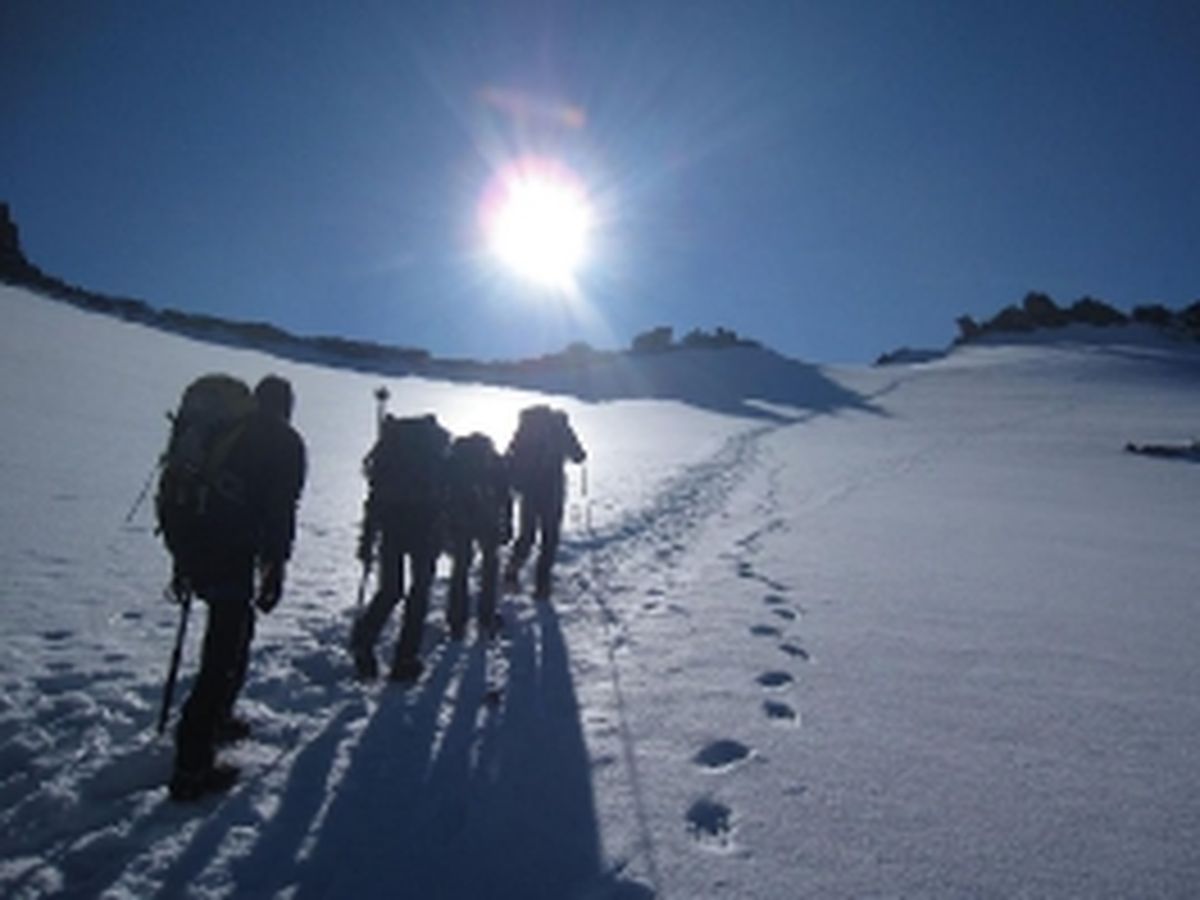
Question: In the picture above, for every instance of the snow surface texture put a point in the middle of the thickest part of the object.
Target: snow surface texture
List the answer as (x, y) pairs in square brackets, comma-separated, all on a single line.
[(933, 634)]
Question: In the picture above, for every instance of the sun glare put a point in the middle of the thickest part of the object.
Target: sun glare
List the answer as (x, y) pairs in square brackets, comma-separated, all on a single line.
[(536, 218)]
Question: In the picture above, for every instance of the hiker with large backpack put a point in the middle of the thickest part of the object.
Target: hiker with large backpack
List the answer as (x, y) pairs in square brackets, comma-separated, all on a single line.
[(478, 513), (543, 442), (402, 523), (226, 504)]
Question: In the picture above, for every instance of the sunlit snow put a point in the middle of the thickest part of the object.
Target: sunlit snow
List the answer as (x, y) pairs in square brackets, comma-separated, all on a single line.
[(932, 636)]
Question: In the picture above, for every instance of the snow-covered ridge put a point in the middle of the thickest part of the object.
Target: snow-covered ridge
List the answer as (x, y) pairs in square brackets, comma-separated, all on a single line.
[(719, 372), (740, 379)]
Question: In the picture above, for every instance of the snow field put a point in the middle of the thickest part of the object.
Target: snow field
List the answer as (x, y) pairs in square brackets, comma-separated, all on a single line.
[(936, 640)]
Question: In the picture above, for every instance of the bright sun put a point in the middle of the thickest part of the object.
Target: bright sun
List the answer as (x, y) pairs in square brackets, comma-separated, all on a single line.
[(537, 217)]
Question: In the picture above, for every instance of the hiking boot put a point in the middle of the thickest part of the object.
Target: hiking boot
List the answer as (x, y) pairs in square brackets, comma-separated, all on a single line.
[(406, 671), (366, 666), (492, 627), (188, 786), (230, 730)]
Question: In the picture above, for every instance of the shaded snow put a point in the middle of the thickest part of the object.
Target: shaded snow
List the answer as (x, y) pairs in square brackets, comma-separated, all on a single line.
[(930, 633)]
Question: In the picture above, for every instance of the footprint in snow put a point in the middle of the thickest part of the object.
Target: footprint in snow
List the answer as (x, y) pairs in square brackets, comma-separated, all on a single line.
[(784, 613), (710, 823), (721, 755), (780, 713), (774, 679), (56, 637), (795, 651), (765, 631)]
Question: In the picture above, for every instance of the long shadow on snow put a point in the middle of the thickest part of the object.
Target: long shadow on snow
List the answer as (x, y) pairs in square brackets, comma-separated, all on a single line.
[(446, 796), (300, 801)]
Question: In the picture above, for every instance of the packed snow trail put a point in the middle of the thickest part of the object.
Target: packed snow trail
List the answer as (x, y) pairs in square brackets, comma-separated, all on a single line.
[(650, 540)]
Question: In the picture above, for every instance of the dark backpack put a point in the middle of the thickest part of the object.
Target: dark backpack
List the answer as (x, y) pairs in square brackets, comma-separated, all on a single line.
[(537, 449), (404, 468), (199, 499), (476, 481)]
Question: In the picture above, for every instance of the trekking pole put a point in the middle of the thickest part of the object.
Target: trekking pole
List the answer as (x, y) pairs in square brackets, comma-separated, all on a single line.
[(574, 507), (381, 398), (185, 607), (587, 502), (362, 584), (141, 497)]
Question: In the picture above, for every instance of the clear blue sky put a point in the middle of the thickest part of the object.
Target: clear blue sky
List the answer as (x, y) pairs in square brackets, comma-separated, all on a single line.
[(833, 178)]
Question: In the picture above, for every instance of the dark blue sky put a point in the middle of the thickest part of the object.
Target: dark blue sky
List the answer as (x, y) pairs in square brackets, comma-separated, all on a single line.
[(834, 178)]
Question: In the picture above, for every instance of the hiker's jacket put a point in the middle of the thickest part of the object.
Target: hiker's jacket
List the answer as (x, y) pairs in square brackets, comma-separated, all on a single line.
[(268, 466), (405, 471), (477, 500), (536, 455)]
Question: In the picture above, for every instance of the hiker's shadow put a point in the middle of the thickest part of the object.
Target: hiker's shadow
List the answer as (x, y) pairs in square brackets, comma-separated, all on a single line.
[(451, 791)]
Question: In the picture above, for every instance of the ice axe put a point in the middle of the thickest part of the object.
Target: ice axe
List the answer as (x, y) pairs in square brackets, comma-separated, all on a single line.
[(184, 595)]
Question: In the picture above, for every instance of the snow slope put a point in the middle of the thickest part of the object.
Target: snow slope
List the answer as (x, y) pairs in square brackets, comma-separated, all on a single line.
[(931, 634)]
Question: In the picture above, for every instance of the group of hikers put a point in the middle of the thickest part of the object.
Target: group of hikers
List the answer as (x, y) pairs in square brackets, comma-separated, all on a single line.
[(428, 492), (228, 490)]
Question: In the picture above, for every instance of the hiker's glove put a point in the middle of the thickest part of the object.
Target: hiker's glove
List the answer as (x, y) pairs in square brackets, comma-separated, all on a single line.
[(270, 586), (179, 588)]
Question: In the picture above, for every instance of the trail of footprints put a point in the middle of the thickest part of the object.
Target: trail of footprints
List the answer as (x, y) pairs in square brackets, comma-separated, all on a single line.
[(778, 679), (711, 823)]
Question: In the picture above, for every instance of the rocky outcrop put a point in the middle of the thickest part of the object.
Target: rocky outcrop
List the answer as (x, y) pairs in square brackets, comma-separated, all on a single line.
[(14, 267)]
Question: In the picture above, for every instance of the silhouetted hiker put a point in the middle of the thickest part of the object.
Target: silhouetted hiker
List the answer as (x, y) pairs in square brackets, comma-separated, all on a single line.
[(405, 471), (478, 512), (544, 440), (226, 504)]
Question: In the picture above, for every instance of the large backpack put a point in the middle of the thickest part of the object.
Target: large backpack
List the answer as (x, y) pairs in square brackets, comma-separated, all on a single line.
[(404, 468), (477, 486), (537, 450), (200, 500)]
